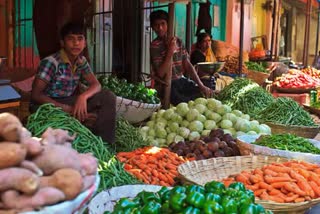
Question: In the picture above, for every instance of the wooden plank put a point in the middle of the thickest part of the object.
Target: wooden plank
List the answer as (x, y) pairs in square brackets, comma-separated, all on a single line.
[(10, 104)]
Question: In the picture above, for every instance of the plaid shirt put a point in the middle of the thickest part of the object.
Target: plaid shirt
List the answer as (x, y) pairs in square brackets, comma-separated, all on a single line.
[(61, 76), (158, 51)]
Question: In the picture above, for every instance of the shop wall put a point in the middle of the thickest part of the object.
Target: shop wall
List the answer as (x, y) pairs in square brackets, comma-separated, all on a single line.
[(218, 19), (3, 29), (261, 21), (26, 52), (298, 35), (233, 24)]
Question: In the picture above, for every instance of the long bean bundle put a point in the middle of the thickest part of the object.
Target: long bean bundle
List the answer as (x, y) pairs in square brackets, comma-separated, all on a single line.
[(231, 92), (287, 142), (110, 169), (253, 101), (286, 111), (128, 137)]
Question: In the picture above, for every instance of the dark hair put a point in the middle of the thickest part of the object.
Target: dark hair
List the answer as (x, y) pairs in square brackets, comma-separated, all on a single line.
[(72, 28), (158, 14), (201, 37)]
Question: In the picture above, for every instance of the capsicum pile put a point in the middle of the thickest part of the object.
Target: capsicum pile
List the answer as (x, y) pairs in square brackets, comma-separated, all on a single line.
[(122, 88), (211, 198)]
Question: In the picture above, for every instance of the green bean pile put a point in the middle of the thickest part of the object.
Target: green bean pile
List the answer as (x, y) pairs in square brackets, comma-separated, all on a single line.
[(286, 111), (230, 93), (110, 169), (253, 101), (289, 142), (128, 137)]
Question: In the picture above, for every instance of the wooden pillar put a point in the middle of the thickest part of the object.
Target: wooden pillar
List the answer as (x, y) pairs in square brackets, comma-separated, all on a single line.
[(307, 33), (167, 91), (127, 31), (241, 36), (188, 27), (277, 30), (10, 24)]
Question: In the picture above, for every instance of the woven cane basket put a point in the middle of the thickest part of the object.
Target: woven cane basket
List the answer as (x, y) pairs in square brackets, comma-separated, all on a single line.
[(302, 131), (203, 171), (258, 77)]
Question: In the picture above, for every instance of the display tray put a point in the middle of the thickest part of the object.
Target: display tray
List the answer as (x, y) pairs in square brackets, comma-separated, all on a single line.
[(312, 110), (246, 147), (292, 90), (302, 131)]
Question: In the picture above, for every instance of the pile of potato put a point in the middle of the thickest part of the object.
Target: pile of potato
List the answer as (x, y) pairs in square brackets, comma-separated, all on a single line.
[(37, 172)]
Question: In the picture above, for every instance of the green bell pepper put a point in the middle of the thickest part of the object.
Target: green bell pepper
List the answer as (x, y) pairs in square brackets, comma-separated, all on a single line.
[(213, 197), (151, 207), (164, 194), (165, 207), (212, 208), (248, 209), (195, 188), (177, 201), (195, 199), (148, 196), (230, 206), (178, 189), (125, 203), (238, 186), (215, 187), (244, 200), (191, 210)]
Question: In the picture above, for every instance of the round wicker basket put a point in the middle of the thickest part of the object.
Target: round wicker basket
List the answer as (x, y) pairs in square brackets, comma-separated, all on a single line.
[(302, 131), (258, 77), (203, 171)]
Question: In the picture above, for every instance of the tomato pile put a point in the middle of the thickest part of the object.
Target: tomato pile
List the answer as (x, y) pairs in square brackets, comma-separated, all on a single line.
[(296, 79)]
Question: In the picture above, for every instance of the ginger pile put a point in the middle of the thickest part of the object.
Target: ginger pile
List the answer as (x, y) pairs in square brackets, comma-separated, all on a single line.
[(37, 172)]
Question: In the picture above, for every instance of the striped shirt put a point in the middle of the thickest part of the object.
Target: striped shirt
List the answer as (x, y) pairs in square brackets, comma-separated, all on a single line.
[(158, 51), (62, 78)]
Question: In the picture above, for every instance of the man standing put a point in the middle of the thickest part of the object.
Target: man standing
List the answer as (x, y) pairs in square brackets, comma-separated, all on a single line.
[(162, 51)]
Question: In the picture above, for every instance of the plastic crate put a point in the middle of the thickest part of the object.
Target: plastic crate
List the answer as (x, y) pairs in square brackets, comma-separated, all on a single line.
[(302, 99)]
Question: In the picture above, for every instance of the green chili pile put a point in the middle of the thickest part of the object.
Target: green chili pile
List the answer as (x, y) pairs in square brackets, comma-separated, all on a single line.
[(289, 142), (286, 111), (128, 137), (110, 169)]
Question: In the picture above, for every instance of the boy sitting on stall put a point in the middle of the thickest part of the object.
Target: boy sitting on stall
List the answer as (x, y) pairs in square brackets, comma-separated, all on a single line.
[(59, 76)]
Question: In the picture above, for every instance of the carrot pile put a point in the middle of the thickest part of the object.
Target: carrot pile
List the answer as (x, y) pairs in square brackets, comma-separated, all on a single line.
[(152, 165), (289, 182)]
